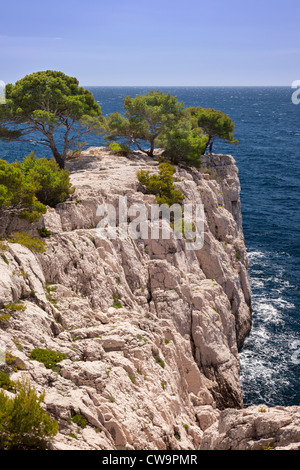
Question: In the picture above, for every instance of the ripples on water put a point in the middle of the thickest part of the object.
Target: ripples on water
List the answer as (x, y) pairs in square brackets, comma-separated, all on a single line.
[(268, 130), (269, 373)]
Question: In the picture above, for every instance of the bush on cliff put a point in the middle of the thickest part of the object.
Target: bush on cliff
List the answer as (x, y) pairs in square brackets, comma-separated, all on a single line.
[(34, 244), (26, 188), (52, 184), (184, 144), (119, 149), (24, 425), (49, 358), (161, 185)]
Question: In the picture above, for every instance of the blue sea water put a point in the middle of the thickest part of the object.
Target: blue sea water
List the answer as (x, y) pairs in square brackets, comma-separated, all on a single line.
[(268, 158)]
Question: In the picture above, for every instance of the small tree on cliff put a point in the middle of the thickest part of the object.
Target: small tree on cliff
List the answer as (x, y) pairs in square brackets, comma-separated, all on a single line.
[(184, 144), (147, 118), (215, 124), (51, 103)]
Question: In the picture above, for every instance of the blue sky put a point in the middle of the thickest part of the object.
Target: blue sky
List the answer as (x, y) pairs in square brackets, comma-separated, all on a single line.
[(155, 42)]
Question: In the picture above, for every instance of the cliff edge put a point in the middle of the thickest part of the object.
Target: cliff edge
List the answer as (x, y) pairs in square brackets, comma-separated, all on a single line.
[(150, 330)]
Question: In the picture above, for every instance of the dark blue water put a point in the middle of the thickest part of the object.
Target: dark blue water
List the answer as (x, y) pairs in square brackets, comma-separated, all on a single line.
[(268, 157)]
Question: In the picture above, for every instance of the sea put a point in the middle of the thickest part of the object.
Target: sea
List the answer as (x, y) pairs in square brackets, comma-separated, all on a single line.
[(267, 125)]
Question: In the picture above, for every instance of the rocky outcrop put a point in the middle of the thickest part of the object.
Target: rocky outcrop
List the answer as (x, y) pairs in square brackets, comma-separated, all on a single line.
[(151, 330), (255, 428)]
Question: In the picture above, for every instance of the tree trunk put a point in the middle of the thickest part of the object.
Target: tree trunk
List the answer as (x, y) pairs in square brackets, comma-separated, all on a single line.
[(150, 152), (209, 144), (60, 160)]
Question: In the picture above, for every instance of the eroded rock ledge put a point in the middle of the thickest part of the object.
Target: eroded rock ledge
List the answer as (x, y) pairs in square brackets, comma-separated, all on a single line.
[(162, 371)]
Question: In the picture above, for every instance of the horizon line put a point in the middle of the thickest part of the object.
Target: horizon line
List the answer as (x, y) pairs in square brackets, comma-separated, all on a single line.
[(190, 86)]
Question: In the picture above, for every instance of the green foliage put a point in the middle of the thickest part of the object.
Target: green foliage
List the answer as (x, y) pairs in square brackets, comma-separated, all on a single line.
[(49, 358), (161, 185), (214, 123), (34, 244), (132, 378), (26, 188), (268, 447), (159, 361), (4, 317), (14, 362), (52, 185), (46, 102), (24, 424), (44, 233), (50, 296), (18, 193), (3, 248), (79, 420), (184, 144), (14, 307), (262, 410), (6, 383), (117, 303), (119, 149), (147, 117)]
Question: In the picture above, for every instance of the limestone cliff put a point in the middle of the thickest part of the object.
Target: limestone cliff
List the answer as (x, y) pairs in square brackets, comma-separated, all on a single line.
[(150, 329)]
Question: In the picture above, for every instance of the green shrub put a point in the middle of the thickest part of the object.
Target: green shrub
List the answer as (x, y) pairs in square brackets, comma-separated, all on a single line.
[(4, 317), (3, 248), (6, 383), (268, 447), (117, 303), (34, 244), (184, 145), (161, 185), (13, 307), (49, 358), (24, 424), (14, 362), (27, 188), (119, 149), (159, 361), (79, 420), (44, 233), (18, 193), (52, 183), (132, 378)]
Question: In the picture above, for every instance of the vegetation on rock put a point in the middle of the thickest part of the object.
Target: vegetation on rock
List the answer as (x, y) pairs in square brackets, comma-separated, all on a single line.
[(34, 244), (214, 123), (49, 358), (26, 188), (161, 185), (52, 103), (49, 102), (147, 117), (24, 425)]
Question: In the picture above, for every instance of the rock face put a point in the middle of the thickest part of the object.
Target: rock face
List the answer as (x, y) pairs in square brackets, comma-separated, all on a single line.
[(151, 329)]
